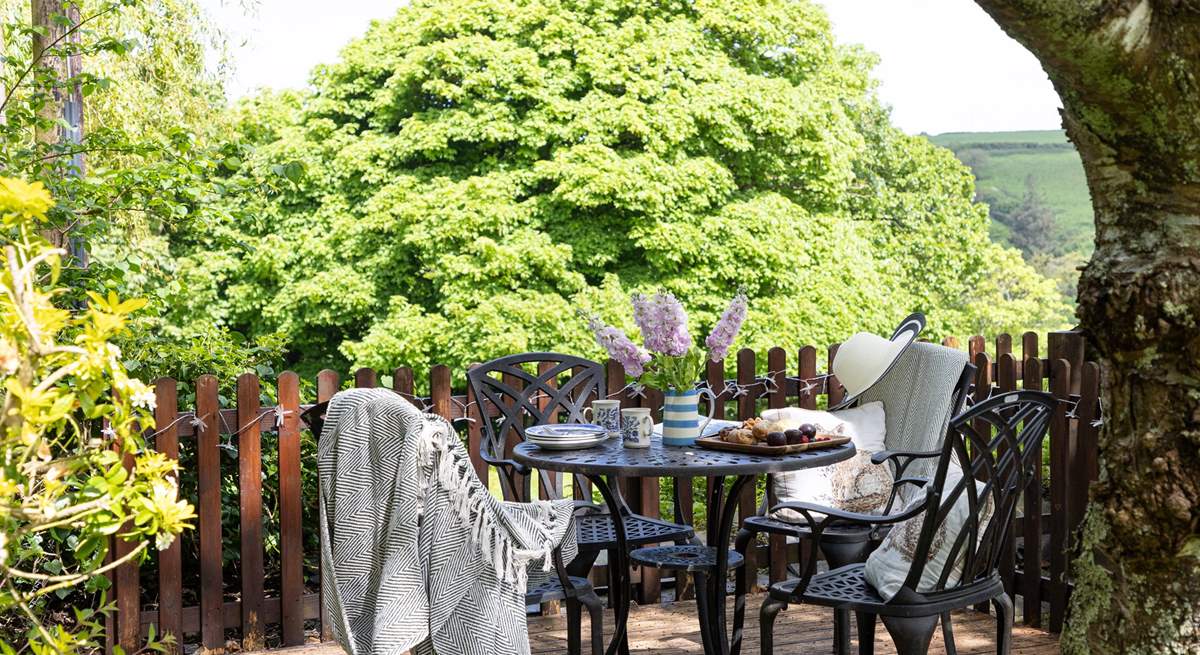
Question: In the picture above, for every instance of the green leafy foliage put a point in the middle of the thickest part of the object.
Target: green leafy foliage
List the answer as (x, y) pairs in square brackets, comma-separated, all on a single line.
[(472, 171), (142, 174), (75, 468)]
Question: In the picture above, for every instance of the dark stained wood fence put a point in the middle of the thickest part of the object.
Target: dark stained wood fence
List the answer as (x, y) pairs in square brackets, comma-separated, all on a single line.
[(1035, 564)]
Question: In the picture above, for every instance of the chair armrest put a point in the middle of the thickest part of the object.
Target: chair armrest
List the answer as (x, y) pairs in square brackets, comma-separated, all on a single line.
[(916, 481), (887, 455), (586, 504), (511, 464), (834, 515)]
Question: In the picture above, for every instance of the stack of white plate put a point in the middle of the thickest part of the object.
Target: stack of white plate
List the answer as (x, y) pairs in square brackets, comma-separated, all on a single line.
[(567, 436)]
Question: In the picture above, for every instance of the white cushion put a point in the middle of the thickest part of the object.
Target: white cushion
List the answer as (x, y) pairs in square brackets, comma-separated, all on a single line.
[(887, 568), (866, 425), (852, 485)]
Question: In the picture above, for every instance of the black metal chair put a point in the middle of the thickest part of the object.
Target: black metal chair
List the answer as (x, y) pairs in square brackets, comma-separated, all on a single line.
[(576, 592), (847, 544), (996, 469), (505, 389)]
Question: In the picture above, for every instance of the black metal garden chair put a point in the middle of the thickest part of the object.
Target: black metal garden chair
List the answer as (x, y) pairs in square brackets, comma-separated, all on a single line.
[(994, 466), (576, 592), (916, 423), (511, 397)]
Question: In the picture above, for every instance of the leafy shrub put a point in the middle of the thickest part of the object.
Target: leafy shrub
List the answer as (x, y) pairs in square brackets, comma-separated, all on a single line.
[(75, 470)]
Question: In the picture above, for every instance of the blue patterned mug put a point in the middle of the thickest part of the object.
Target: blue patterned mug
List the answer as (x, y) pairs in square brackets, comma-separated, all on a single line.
[(637, 427), (606, 414)]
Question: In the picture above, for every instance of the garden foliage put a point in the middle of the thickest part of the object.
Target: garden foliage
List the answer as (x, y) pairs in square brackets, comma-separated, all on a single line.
[(471, 172), (143, 174), (74, 470)]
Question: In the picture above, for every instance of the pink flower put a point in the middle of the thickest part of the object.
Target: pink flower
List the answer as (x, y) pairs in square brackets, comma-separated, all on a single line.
[(619, 347), (663, 323), (726, 329)]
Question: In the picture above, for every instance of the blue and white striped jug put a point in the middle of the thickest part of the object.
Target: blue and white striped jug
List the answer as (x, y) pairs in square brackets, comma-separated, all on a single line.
[(682, 423)]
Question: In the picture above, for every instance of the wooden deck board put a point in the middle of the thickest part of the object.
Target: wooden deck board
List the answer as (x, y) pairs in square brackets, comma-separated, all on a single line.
[(671, 629)]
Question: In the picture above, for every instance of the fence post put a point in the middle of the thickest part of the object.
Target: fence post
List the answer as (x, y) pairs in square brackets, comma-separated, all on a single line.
[(543, 401), (807, 370), (511, 439), (127, 584), (1084, 447), (291, 544), (548, 608), (1029, 345), (170, 561), (208, 520), (366, 378), (1060, 386), (747, 504), (834, 392), (643, 494), (1068, 345), (402, 383), (1006, 380), (714, 373), (615, 386), (250, 510), (777, 368), (475, 419), (1031, 576), (328, 383), (1004, 344), (976, 345), (439, 391), (983, 389)]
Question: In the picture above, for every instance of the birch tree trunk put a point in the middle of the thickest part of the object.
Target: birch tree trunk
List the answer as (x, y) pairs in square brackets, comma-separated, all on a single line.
[(1127, 72), (65, 99)]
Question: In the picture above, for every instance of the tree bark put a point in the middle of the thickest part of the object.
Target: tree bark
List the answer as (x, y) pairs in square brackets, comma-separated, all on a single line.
[(1127, 72), (64, 99)]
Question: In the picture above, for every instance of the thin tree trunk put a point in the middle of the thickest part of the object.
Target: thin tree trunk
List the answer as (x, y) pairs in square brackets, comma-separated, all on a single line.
[(1126, 71), (65, 101)]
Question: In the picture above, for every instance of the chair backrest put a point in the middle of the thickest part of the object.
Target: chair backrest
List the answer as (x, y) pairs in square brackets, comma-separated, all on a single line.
[(526, 389), (926, 387), (989, 468)]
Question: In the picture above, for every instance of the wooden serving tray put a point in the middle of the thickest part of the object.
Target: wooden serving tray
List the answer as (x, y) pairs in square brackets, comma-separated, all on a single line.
[(715, 443)]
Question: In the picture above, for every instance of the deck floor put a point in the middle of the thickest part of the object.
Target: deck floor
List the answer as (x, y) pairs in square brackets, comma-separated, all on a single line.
[(671, 629)]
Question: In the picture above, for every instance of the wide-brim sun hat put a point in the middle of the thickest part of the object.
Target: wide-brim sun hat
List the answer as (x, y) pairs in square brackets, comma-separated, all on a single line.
[(865, 358)]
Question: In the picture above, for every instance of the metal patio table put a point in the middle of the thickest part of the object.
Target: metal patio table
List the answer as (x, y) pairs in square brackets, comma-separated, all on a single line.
[(605, 463)]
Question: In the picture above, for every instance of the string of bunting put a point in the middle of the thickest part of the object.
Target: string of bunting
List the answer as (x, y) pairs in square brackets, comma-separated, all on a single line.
[(731, 389), (1072, 405)]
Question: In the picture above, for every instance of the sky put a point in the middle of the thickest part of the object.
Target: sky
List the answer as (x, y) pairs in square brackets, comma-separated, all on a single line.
[(945, 66)]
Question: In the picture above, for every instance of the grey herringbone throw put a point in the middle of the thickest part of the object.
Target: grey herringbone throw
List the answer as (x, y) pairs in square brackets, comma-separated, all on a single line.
[(415, 553), (916, 397)]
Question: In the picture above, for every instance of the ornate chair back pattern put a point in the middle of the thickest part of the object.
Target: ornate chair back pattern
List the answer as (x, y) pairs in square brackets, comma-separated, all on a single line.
[(998, 466), (511, 398)]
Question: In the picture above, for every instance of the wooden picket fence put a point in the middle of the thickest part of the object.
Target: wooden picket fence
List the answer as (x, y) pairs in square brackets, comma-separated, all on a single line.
[(1044, 534)]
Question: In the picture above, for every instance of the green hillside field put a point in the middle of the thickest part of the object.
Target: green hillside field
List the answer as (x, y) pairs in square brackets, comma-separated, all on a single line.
[(1002, 161)]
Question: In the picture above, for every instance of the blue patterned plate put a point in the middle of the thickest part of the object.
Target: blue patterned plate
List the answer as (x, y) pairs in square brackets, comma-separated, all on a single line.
[(565, 431)]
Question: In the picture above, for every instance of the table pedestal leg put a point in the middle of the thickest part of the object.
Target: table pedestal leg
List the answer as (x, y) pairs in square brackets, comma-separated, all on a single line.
[(711, 608), (619, 587)]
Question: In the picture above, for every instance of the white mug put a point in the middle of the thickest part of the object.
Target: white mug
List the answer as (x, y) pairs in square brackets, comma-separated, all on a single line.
[(637, 426), (606, 414)]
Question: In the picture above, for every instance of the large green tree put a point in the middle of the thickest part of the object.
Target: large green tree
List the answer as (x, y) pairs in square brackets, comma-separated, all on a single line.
[(1128, 73), (471, 171)]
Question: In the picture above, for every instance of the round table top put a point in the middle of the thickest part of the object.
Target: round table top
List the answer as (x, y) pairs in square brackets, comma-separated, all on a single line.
[(613, 458)]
